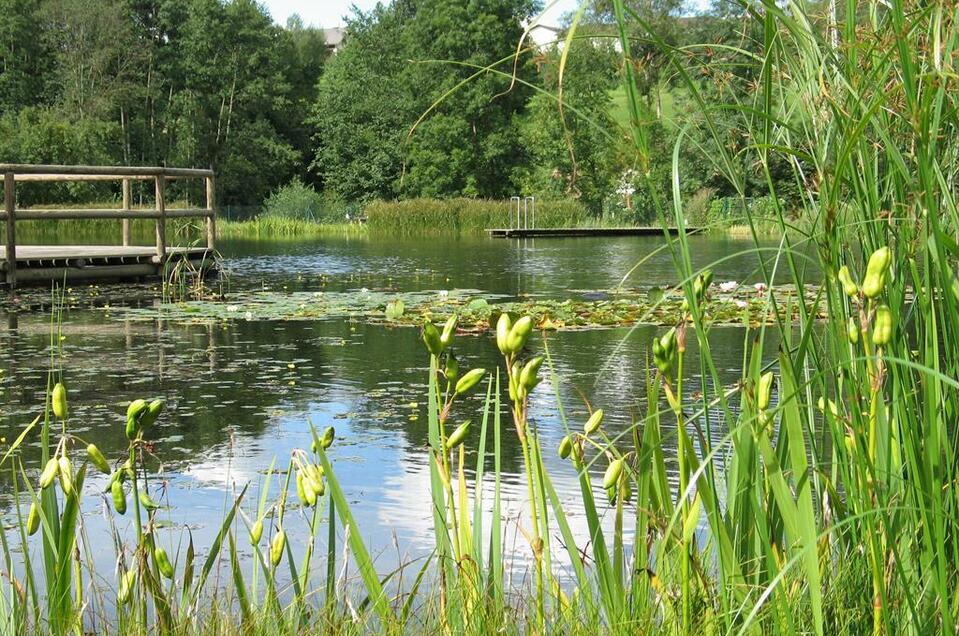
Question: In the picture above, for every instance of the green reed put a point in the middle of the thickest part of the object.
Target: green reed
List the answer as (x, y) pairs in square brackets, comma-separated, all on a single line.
[(418, 216)]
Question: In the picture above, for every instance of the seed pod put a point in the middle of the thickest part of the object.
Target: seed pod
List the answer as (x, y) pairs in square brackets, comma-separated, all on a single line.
[(452, 368), (565, 447), (627, 490), (147, 501), (611, 494), (503, 325), (33, 520), (764, 390), (449, 330), (152, 412), (319, 488), (469, 380), (256, 532), (97, 459), (431, 338), (594, 422), (276, 547), (852, 330), (529, 376), (875, 279), (136, 408), (882, 330), (49, 472), (848, 286), (59, 401), (613, 473), (119, 497), (458, 436), (668, 342), (66, 474), (327, 439), (163, 562), (518, 334), (127, 582)]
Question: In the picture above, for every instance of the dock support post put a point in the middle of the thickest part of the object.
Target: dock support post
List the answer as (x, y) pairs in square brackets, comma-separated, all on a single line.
[(126, 206), (161, 220), (210, 220), (10, 207)]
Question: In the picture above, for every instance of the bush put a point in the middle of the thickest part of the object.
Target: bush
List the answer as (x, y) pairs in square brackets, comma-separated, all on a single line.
[(297, 200), (466, 215)]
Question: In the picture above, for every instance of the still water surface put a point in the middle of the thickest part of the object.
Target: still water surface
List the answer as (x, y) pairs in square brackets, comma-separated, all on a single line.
[(240, 394)]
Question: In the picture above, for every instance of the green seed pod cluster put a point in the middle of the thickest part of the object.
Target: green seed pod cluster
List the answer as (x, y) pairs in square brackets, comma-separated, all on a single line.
[(66, 474), (764, 390), (503, 325), (33, 519), (59, 401), (276, 547), (97, 459), (594, 422), (849, 287), (162, 562), (50, 472), (875, 279), (469, 380), (458, 436), (309, 484), (326, 439), (127, 583), (613, 472), (565, 447), (154, 409), (141, 414), (519, 334), (852, 330), (449, 330), (256, 532), (664, 351), (431, 338), (882, 329)]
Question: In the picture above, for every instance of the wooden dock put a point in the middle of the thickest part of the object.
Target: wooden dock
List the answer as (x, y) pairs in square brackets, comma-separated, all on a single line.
[(584, 231), (40, 264)]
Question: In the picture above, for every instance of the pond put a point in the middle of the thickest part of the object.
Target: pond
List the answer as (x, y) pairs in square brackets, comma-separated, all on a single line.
[(241, 393)]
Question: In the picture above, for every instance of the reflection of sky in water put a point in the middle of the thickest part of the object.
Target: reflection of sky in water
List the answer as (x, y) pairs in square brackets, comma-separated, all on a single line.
[(242, 394)]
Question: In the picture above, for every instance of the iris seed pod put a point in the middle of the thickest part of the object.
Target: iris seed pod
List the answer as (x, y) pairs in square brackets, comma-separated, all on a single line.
[(163, 562), (127, 581), (613, 473), (449, 330), (66, 474), (276, 547), (49, 472), (469, 380), (519, 334), (594, 422), (458, 436), (309, 491), (875, 279), (503, 325), (431, 338), (256, 532), (849, 287), (852, 330), (565, 447), (97, 459), (119, 497), (529, 376), (764, 390), (147, 501), (452, 368), (136, 408), (882, 330), (300, 489), (152, 412), (33, 520), (59, 401), (327, 439), (611, 494)]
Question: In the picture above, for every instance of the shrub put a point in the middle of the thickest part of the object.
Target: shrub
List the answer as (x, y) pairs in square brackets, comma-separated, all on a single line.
[(297, 200)]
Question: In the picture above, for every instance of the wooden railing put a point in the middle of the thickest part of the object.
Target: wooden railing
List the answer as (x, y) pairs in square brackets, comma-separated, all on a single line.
[(12, 173)]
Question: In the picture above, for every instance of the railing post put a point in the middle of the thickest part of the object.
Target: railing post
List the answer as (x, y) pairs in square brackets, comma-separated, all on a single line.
[(10, 205), (126, 206), (210, 220), (161, 218)]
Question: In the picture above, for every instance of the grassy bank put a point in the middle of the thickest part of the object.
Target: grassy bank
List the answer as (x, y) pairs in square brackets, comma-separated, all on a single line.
[(417, 216), (270, 227)]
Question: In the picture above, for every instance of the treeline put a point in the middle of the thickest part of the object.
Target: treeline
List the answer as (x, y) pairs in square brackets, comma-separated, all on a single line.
[(426, 99)]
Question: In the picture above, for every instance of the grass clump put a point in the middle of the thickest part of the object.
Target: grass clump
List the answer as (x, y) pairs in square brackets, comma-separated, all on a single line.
[(425, 216)]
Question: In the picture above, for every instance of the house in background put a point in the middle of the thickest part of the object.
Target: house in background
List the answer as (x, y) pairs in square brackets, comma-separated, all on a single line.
[(334, 39)]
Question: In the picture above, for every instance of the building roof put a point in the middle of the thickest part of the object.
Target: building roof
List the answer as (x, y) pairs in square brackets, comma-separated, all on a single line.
[(334, 37)]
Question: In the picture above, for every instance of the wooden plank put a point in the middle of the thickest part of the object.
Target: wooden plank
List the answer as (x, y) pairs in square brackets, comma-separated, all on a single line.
[(211, 219), (581, 232), (117, 213), (112, 171), (126, 206), (161, 218), (97, 177), (10, 211), (51, 252)]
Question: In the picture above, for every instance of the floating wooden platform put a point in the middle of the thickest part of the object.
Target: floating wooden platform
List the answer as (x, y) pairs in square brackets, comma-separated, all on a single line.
[(584, 231), (41, 264)]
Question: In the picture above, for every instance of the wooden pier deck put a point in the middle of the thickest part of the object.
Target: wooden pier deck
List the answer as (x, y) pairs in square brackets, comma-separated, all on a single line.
[(583, 231), (39, 264)]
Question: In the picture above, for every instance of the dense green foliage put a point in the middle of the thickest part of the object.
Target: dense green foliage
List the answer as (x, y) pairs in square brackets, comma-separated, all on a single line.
[(466, 215)]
